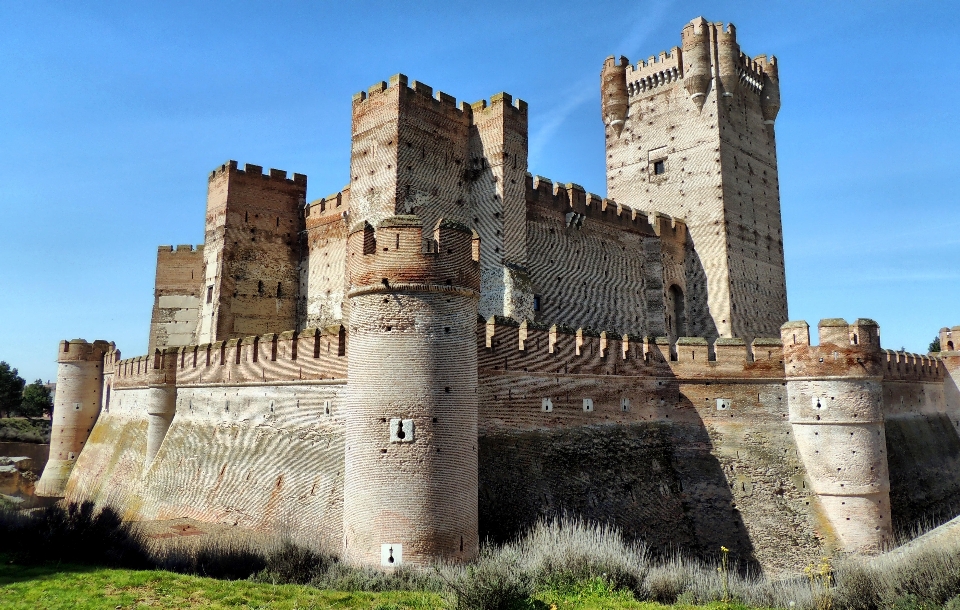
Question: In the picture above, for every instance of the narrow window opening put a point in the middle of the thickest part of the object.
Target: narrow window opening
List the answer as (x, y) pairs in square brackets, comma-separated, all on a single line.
[(279, 291), (659, 167), (260, 287), (209, 294), (536, 302)]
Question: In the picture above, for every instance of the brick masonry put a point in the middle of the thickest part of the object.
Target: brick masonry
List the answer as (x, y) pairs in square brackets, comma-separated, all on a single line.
[(449, 348)]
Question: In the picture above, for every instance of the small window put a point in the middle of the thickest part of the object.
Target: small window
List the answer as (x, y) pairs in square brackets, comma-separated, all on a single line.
[(279, 291), (659, 167), (536, 302), (260, 287), (209, 294)]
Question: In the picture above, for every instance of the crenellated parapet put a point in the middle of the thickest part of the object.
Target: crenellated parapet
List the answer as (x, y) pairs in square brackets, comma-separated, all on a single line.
[(578, 206), (256, 171), (508, 345), (397, 255), (657, 71), (422, 94), (311, 354)]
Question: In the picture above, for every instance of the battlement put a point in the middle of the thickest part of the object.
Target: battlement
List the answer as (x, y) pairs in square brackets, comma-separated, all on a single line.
[(181, 249), (905, 366), (396, 254), (508, 345), (80, 350), (655, 72), (335, 204), (578, 205), (279, 175), (441, 101), (311, 354), (845, 350)]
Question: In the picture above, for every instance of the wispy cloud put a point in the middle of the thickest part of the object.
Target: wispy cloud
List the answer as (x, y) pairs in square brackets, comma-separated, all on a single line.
[(646, 19)]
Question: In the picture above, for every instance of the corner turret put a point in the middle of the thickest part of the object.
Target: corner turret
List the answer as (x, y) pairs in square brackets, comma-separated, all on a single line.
[(770, 92), (613, 93), (834, 394), (696, 60), (75, 410), (411, 465), (728, 58)]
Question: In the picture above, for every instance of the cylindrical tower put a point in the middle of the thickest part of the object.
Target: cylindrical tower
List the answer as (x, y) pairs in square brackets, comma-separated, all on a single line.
[(411, 478), (695, 39), (161, 399), (614, 100), (835, 399), (75, 410), (728, 57)]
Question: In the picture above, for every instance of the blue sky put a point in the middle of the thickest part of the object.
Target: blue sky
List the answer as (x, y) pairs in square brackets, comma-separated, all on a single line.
[(112, 114)]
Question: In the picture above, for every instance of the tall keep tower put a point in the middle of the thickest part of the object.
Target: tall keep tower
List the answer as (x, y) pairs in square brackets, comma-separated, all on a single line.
[(690, 134), (411, 466)]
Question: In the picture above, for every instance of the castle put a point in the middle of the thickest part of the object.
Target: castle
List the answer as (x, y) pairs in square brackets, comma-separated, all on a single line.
[(450, 348)]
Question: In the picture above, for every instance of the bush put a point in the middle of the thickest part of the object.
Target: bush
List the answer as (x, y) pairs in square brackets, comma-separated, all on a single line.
[(495, 581), (564, 551), (77, 533)]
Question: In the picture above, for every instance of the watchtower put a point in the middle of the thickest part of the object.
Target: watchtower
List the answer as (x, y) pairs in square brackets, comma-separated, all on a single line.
[(251, 253), (834, 394), (75, 410), (411, 472), (690, 134)]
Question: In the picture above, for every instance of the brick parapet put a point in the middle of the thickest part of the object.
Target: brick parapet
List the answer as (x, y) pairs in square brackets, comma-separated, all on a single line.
[(578, 205), (397, 252), (507, 345), (311, 354), (256, 171)]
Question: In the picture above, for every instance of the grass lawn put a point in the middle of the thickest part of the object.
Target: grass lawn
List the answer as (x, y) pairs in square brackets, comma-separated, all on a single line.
[(78, 587), (83, 587)]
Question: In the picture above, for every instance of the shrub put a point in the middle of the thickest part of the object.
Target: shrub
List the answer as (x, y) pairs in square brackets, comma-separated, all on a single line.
[(564, 551), (495, 581), (77, 533)]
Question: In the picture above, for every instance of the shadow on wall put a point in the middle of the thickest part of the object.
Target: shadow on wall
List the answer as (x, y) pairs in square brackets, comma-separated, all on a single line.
[(924, 459), (656, 481), (699, 321)]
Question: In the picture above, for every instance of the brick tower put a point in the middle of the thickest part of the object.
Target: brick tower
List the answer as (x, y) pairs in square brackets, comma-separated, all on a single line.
[(251, 252), (411, 471), (690, 134), (75, 410), (835, 397), (417, 152)]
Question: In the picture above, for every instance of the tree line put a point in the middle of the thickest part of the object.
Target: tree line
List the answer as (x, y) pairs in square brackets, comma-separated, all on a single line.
[(17, 398)]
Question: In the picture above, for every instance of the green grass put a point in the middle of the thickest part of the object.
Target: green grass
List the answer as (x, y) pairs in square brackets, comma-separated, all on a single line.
[(84, 587)]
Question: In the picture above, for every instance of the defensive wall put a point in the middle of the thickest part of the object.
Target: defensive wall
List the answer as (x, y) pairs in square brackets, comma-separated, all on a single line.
[(685, 444)]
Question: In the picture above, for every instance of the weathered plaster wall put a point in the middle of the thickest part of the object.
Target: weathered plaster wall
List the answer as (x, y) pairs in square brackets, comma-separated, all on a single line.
[(323, 275), (176, 296), (266, 458)]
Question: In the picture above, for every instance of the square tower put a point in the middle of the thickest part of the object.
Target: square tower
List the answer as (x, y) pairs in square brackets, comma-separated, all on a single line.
[(417, 152), (251, 252), (690, 134)]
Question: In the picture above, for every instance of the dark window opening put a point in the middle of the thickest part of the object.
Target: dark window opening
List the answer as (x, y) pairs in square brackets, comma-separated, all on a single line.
[(536, 302), (676, 314), (279, 291), (260, 287), (659, 167), (209, 294)]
